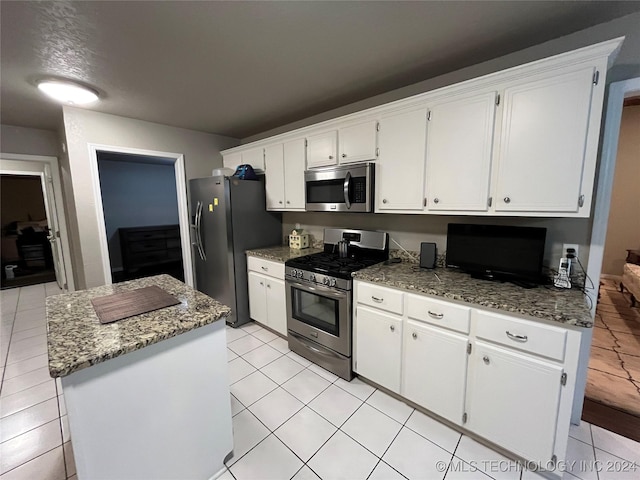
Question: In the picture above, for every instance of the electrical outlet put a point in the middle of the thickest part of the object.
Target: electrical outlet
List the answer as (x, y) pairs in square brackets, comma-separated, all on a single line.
[(566, 246)]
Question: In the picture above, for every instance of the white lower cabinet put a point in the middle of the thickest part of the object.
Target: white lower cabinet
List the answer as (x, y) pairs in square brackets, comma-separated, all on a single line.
[(509, 380), (514, 400), (378, 347), (267, 295), (435, 369)]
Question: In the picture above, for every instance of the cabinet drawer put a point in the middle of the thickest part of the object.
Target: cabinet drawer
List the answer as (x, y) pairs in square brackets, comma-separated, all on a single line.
[(147, 246), (266, 267), (146, 258), (524, 335), (148, 235), (380, 297), (436, 312)]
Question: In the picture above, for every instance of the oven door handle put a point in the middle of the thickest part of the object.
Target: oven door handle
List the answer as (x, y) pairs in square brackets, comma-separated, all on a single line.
[(324, 290), (345, 187)]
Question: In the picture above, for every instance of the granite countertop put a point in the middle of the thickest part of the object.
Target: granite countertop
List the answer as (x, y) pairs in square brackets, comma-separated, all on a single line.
[(281, 253), (76, 338), (564, 306)]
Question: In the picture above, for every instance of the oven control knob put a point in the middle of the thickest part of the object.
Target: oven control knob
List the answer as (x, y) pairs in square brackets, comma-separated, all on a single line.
[(293, 273), (325, 281), (332, 283), (300, 274), (312, 277)]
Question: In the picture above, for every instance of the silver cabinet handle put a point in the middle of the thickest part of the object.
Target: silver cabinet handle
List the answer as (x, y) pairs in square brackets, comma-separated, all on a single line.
[(268, 285), (344, 155), (486, 360), (330, 157), (392, 328), (435, 315), (376, 299), (436, 200), (265, 269), (288, 202), (262, 283), (517, 338), (384, 200), (414, 335), (507, 200), (280, 202)]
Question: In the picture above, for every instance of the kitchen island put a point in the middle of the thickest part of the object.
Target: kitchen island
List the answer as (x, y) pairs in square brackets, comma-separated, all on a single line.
[(147, 396)]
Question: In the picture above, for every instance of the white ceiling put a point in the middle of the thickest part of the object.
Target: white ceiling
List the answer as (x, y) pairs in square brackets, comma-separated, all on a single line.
[(240, 68)]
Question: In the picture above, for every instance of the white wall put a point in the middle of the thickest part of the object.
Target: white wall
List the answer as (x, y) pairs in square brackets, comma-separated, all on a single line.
[(28, 141), (83, 127), (627, 65), (623, 231)]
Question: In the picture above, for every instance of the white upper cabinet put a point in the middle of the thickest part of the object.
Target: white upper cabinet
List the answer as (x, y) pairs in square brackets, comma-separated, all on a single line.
[(285, 164), (545, 123), (253, 157), (294, 166), (322, 149), (274, 176), (459, 147), (358, 143), (400, 166)]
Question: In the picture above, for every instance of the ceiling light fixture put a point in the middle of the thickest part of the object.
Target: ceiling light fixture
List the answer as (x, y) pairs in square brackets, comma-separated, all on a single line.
[(68, 92)]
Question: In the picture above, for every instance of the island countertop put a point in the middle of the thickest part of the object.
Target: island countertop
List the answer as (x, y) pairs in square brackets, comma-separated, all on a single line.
[(559, 305), (76, 339)]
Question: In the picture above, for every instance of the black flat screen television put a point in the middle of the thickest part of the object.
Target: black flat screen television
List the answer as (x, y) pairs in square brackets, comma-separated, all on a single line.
[(497, 252)]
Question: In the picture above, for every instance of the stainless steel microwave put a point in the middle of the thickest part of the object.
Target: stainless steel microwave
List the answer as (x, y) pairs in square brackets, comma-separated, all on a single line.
[(346, 188)]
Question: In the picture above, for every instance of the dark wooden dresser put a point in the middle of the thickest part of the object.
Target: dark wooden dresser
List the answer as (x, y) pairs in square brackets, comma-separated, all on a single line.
[(151, 250)]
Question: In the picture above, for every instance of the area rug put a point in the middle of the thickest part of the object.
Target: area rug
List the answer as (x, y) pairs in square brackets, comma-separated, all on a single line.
[(614, 366)]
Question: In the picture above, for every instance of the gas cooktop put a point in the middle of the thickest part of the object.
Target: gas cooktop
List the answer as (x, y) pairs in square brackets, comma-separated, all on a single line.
[(332, 264)]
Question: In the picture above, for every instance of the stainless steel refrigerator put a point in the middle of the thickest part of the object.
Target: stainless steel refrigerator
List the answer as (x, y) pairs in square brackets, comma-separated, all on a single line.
[(228, 217)]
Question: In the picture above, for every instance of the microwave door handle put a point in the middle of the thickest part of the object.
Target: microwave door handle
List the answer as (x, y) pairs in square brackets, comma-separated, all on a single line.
[(345, 187)]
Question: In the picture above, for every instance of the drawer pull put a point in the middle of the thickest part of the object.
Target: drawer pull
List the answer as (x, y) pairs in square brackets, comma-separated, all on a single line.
[(486, 360), (265, 269), (262, 283), (268, 285), (435, 315), (376, 299), (517, 338), (392, 328), (414, 335)]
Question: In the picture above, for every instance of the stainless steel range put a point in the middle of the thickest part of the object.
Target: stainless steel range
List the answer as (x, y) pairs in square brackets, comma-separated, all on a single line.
[(319, 296)]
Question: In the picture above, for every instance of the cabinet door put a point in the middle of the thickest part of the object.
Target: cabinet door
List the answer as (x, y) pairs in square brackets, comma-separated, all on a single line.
[(434, 372), (459, 153), (322, 149), (358, 142), (542, 145), (274, 176), (378, 345), (257, 298), (400, 166), (294, 166), (232, 160), (276, 305), (255, 158), (514, 401)]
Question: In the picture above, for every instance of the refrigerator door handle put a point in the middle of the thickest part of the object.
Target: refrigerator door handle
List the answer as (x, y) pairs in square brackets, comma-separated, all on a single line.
[(203, 255)]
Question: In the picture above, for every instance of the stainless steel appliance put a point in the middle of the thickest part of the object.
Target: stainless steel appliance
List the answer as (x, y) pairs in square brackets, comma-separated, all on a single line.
[(228, 217), (347, 188), (319, 296)]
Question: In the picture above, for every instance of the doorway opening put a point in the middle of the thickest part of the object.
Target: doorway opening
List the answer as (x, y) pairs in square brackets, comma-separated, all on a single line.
[(612, 393), (27, 258), (141, 213), (35, 244)]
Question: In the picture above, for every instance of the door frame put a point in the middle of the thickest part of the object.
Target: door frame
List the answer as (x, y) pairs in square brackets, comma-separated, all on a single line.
[(181, 198), (618, 91), (58, 209)]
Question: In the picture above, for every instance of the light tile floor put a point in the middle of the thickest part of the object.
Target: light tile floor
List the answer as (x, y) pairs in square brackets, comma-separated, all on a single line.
[(291, 419)]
